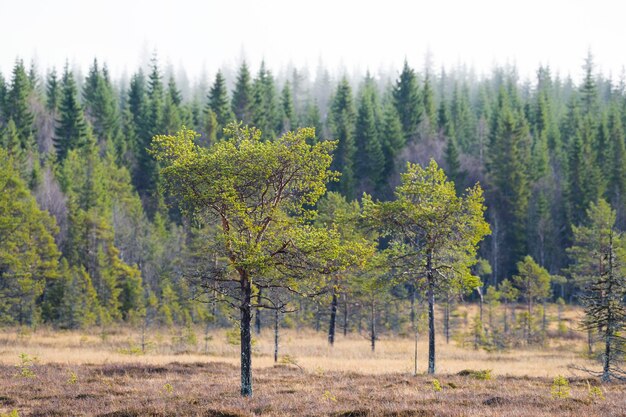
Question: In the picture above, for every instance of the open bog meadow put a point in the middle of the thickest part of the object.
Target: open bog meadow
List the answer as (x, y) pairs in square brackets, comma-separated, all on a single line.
[(325, 208), (184, 372)]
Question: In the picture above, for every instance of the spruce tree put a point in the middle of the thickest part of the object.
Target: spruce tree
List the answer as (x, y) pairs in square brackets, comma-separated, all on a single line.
[(288, 110), (219, 103), (101, 108), (3, 99), (369, 161), (17, 104), (155, 102), (28, 252), (173, 92), (407, 101), (71, 131), (341, 121), (429, 115), (313, 118), (53, 92), (265, 107), (510, 158), (464, 122), (616, 188), (392, 138), (242, 96)]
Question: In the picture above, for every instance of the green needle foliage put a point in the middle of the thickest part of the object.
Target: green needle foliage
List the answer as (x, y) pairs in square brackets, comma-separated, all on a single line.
[(258, 193), (434, 232)]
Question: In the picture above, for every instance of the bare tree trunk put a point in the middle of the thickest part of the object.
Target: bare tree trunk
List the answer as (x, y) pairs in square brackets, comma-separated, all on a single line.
[(318, 318), (544, 321), (415, 359), (431, 314), (257, 316), (446, 320), (246, 340), (276, 321), (345, 315), (496, 251), (373, 326), (506, 321), (143, 336), (530, 315), (413, 306), (333, 319)]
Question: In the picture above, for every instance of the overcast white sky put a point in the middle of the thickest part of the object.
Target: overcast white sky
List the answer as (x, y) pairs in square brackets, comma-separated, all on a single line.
[(364, 33)]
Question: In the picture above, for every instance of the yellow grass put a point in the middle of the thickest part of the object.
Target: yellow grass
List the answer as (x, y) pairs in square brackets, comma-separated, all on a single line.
[(309, 349)]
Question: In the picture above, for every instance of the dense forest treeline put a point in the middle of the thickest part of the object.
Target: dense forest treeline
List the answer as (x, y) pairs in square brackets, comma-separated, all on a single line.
[(89, 237)]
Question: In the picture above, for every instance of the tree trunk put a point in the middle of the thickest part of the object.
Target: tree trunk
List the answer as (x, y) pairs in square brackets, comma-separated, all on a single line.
[(246, 340), (413, 306), (345, 315), (506, 321), (318, 316), (431, 315), (544, 321), (257, 316), (446, 320), (276, 321), (606, 371), (415, 359), (373, 326), (333, 319), (480, 300), (530, 315)]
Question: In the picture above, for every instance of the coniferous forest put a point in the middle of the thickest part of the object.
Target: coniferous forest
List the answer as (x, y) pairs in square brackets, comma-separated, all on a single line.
[(97, 225)]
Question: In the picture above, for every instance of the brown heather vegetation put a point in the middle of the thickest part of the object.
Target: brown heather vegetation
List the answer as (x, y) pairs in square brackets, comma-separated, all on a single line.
[(83, 373), (210, 389)]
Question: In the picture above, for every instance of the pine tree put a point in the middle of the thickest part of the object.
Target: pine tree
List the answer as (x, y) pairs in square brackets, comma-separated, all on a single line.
[(533, 281), (341, 121), (598, 256), (407, 101), (71, 131), (431, 226), (242, 96), (596, 261)]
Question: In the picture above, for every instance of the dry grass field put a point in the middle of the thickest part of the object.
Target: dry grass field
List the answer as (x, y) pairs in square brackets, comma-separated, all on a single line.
[(82, 373)]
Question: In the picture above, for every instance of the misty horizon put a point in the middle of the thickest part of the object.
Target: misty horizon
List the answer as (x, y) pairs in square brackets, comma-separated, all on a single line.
[(349, 37)]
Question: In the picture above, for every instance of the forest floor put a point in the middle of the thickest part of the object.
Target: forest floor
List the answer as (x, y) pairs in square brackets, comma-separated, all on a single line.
[(69, 373)]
